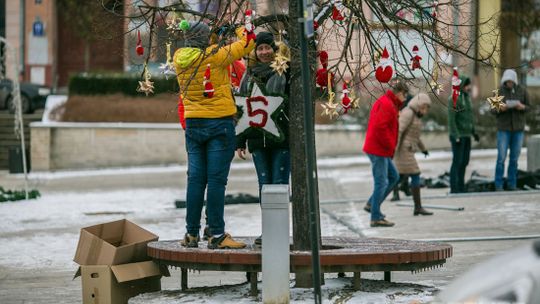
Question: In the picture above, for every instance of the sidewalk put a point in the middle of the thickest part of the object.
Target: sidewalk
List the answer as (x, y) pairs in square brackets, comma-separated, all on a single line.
[(39, 237)]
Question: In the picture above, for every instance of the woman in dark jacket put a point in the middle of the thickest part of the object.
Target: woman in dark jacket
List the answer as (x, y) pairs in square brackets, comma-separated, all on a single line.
[(270, 152)]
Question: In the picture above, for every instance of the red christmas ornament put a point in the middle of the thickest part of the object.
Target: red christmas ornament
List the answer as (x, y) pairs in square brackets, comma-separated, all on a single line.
[(415, 59), (456, 84), (345, 100), (435, 5), (336, 14), (384, 70), (315, 25), (208, 86), (139, 48), (249, 27), (321, 76)]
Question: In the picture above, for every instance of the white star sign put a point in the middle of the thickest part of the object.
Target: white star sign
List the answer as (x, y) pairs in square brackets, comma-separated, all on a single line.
[(258, 110)]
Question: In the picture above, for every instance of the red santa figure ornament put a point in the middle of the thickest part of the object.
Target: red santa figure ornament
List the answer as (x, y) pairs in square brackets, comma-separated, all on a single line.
[(345, 99), (415, 58), (321, 77), (456, 84), (336, 14), (139, 48), (249, 27), (384, 70), (208, 86)]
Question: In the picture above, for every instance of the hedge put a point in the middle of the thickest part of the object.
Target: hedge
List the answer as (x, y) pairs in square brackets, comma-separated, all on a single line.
[(101, 84)]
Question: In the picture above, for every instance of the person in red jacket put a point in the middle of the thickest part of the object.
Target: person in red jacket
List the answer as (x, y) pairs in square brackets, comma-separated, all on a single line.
[(380, 145)]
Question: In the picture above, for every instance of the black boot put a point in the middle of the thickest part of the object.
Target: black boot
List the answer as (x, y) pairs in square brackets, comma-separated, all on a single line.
[(395, 196), (404, 184), (415, 191)]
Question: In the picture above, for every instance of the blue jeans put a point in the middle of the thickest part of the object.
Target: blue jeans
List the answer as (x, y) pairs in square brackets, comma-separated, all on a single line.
[(415, 180), (385, 177), (210, 144), (512, 140), (461, 153), (273, 166)]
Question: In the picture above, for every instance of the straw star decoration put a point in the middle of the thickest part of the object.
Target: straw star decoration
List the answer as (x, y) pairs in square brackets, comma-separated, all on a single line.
[(280, 63), (330, 109), (495, 102), (436, 87), (146, 86)]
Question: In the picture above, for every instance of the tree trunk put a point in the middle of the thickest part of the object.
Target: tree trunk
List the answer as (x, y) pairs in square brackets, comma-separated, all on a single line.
[(297, 142)]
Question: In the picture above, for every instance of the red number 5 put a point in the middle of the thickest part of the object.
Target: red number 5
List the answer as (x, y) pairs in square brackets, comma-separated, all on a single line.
[(253, 113)]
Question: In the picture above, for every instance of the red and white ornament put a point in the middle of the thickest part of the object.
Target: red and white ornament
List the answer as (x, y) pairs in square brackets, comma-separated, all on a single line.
[(384, 71), (139, 48), (336, 14), (415, 58), (321, 76), (208, 86), (249, 26), (456, 84), (435, 5), (345, 99)]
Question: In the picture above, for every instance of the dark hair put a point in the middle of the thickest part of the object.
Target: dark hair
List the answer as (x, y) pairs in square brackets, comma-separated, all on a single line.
[(400, 86)]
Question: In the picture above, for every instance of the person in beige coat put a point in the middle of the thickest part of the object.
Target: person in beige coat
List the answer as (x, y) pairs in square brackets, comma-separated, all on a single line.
[(409, 142)]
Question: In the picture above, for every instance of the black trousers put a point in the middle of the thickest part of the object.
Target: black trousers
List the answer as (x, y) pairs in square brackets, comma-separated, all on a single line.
[(461, 152)]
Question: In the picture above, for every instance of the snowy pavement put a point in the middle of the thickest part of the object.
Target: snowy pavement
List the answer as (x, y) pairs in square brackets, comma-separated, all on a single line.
[(38, 238)]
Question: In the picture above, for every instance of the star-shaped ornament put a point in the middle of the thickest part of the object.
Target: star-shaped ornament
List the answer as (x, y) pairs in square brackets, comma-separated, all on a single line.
[(146, 87), (330, 109), (495, 102), (258, 110), (168, 69), (171, 24), (280, 64), (436, 87)]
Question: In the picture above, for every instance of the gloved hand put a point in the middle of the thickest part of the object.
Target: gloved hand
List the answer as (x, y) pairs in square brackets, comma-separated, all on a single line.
[(426, 153), (476, 137)]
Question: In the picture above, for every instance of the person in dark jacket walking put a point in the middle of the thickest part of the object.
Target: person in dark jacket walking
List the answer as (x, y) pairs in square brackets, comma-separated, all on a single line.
[(380, 145), (270, 154), (510, 127), (460, 128)]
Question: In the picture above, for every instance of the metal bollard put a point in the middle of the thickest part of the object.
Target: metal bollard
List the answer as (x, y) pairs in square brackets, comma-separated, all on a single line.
[(533, 153), (275, 244)]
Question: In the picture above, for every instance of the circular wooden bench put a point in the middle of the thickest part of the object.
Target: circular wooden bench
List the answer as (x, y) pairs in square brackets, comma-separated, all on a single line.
[(338, 254)]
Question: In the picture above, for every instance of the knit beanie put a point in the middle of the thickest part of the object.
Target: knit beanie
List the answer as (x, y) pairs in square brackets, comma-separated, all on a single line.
[(198, 35), (266, 38)]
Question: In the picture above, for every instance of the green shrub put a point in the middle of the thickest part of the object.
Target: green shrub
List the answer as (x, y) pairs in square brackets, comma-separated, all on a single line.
[(101, 84)]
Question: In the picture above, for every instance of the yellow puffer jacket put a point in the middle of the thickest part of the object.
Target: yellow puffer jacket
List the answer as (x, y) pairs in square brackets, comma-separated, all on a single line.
[(190, 66)]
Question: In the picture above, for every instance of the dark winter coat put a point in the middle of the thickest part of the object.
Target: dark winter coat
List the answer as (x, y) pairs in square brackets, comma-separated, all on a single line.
[(461, 118), (512, 119), (382, 130), (272, 84)]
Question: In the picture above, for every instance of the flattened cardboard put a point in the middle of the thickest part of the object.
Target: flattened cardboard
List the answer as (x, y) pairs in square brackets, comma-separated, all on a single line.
[(113, 243), (136, 271), (100, 286)]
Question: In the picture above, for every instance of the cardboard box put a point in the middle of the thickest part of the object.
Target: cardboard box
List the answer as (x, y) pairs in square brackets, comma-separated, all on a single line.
[(104, 284), (113, 243)]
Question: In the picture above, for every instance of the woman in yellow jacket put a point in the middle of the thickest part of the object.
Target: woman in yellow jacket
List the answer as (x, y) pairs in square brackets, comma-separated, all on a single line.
[(205, 90)]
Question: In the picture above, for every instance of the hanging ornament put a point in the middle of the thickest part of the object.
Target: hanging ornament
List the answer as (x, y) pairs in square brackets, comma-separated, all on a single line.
[(415, 59), (249, 27), (345, 99), (171, 24), (496, 101), (456, 84), (183, 25), (322, 76), (139, 48), (336, 14), (208, 86), (384, 70), (435, 6), (434, 85), (330, 107), (168, 68), (280, 64), (146, 86)]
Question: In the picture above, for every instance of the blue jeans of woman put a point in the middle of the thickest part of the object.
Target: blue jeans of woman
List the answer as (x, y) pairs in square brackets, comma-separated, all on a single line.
[(210, 144), (512, 140), (385, 177), (415, 180), (461, 153), (273, 166)]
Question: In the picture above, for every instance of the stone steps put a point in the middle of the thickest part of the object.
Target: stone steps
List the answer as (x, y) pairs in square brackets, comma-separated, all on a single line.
[(7, 135)]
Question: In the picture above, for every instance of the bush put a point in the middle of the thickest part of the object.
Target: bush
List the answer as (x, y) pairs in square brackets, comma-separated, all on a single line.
[(101, 84)]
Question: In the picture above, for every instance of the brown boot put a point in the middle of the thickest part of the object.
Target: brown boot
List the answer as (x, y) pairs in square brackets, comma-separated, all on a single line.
[(415, 191)]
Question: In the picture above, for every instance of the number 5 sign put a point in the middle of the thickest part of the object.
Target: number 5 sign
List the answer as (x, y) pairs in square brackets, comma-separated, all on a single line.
[(257, 111)]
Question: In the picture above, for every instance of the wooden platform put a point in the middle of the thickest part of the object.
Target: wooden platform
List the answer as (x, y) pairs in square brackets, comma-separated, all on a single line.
[(337, 255)]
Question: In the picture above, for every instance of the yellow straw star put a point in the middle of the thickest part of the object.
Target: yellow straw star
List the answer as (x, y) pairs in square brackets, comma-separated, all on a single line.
[(495, 102)]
